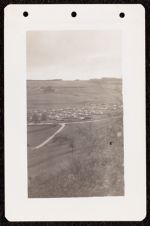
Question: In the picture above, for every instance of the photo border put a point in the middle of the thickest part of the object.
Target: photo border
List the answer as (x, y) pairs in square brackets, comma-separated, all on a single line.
[(3, 4)]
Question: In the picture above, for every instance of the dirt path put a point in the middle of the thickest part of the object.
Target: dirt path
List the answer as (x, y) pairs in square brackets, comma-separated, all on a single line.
[(50, 138), (59, 130)]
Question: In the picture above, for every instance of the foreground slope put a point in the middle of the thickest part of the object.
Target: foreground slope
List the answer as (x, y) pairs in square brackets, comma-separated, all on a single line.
[(84, 159)]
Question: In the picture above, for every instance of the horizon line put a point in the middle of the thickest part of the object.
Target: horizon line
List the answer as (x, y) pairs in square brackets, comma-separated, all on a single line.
[(74, 79)]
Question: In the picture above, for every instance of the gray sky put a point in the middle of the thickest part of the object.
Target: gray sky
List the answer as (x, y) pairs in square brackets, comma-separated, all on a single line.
[(73, 55)]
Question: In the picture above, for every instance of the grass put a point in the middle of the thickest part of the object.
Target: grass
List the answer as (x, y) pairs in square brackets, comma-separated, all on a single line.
[(83, 160), (49, 94), (37, 134)]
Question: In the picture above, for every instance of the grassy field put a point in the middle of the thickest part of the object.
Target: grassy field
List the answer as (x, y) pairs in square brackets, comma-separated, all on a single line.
[(49, 94), (84, 159), (36, 134)]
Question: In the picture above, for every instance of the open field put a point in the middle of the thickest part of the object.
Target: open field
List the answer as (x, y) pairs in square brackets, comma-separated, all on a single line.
[(36, 134), (50, 94), (85, 158)]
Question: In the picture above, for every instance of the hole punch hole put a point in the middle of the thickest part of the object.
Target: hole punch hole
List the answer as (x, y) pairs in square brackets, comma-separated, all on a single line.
[(73, 14), (25, 13), (110, 142), (122, 15)]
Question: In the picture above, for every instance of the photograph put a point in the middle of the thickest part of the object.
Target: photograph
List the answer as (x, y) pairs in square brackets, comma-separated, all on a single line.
[(75, 139)]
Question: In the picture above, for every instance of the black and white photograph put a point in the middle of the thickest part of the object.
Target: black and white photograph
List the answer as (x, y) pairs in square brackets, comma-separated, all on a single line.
[(74, 114), (75, 119)]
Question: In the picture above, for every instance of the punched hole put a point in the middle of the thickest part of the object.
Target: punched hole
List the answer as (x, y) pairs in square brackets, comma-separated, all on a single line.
[(73, 14), (110, 142), (25, 13), (122, 15)]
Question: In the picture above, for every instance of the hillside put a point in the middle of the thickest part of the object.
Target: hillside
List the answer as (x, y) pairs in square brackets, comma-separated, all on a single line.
[(48, 93)]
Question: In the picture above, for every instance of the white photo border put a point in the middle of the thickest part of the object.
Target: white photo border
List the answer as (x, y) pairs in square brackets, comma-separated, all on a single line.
[(132, 206)]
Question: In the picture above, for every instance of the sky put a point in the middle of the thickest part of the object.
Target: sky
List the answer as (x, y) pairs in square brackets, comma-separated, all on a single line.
[(71, 55)]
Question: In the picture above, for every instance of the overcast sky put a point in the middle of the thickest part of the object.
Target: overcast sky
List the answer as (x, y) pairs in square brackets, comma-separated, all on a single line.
[(73, 55)]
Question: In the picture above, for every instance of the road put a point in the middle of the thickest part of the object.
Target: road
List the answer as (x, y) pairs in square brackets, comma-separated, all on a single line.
[(62, 126), (50, 138)]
